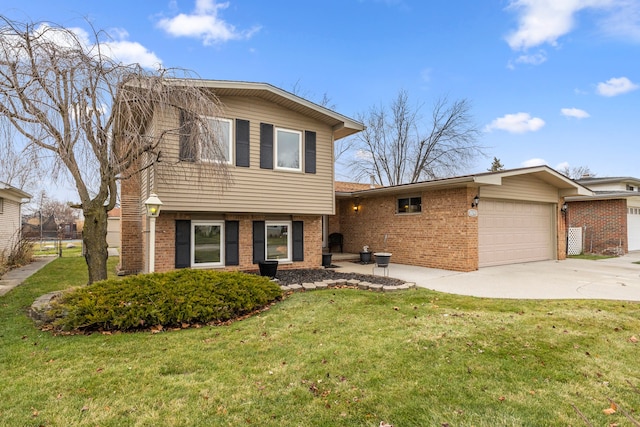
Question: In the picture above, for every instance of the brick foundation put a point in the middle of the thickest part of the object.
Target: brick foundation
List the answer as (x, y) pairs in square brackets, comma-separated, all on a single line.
[(165, 242), (442, 236)]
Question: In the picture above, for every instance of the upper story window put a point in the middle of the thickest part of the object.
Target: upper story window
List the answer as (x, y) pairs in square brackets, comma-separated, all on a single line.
[(221, 129), (410, 205), (288, 149), (194, 148)]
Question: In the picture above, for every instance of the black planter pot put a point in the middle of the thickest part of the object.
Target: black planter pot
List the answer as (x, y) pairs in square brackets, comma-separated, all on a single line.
[(326, 260), (268, 268), (365, 257), (382, 259)]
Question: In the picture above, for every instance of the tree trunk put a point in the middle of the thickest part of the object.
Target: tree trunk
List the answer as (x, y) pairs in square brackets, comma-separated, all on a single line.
[(94, 237)]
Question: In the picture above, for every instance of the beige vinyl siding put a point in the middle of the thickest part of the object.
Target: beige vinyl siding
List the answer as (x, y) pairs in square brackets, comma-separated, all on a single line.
[(521, 188), (185, 186), (9, 223)]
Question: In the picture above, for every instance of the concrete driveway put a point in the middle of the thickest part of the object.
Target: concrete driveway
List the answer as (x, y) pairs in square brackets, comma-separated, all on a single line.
[(613, 279)]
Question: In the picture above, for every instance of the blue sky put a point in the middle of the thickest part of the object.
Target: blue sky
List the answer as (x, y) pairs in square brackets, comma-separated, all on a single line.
[(551, 81)]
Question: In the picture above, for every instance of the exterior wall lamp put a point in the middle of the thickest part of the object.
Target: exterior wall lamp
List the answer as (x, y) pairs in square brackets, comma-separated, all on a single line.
[(564, 208), (476, 201), (153, 204), (356, 208)]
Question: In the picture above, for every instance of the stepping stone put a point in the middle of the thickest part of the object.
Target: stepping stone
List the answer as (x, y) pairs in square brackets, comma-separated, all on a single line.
[(364, 285), (308, 286), (321, 285), (295, 287), (375, 287), (390, 288)]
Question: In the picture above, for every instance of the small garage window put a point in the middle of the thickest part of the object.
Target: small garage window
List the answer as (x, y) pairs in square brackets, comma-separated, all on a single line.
[(409, 205)]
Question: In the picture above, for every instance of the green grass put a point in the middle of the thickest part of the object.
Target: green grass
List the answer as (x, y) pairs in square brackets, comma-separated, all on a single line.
[(51, 248), (327, 358), (590, 256)]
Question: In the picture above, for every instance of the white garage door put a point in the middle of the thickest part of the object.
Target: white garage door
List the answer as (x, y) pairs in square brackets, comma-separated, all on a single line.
[(510, 232), (633, 227)]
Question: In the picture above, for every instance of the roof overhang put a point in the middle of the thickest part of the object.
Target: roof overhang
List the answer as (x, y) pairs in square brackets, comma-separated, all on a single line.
[(12, 193), (342, 125), (607, 195), (566, 187)]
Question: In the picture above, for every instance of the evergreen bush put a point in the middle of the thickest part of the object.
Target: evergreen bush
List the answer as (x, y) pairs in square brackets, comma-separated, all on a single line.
[(168, 299)]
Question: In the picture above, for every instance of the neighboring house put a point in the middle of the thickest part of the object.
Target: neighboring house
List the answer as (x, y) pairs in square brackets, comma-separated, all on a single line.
[(32, 229), (113, 228), (436, 224), (280, 155), (609, 220), (11, 200)]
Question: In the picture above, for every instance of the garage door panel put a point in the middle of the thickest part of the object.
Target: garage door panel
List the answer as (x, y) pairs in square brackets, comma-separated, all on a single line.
[(513, 231)]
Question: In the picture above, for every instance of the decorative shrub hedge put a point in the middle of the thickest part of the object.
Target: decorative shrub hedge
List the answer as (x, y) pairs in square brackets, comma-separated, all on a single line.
[(173, 299)]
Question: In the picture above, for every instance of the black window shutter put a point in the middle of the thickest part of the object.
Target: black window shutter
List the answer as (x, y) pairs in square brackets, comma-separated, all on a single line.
[(266, 146), (309, 151), (242, 143), (183, 243), (231, 243), (298, 240), (187, 143), (258, 241)]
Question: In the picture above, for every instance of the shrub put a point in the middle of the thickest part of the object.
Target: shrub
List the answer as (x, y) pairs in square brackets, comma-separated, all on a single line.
[(169, 299), (20, 253)]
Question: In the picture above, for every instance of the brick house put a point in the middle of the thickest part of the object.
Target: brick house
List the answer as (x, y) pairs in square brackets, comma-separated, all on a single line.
[(11, 200), (437, 224), (279, 152), (608, 221)]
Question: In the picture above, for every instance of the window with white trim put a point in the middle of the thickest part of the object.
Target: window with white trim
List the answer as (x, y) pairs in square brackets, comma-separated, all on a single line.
[(207, 243), (278, 240), (288, 149), (409, 205), (222, 131)]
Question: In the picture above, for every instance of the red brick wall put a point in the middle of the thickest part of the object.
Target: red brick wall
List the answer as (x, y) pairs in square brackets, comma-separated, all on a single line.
[(441, 236), (165, 241), (561, 232), (131, 228), (604, 225)]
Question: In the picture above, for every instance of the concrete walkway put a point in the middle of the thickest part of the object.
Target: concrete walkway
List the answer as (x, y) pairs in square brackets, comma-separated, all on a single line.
[(16, 276), (612, 279)]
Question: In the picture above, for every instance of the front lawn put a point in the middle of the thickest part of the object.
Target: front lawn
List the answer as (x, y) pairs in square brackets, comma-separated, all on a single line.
[(327, 358)]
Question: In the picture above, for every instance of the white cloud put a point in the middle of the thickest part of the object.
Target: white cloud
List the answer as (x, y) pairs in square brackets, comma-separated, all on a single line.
[(535, 59), (624, 21), (516, 123), (544, 21), (616, 86), (575, 113), (534, 162), (205, 24), (117, 47)]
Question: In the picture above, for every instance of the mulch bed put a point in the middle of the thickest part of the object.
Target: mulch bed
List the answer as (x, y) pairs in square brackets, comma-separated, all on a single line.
[(299, 276)]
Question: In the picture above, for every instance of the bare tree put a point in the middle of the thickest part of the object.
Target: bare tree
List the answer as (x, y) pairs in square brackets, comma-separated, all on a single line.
[(63, 93), (397, 147), (18, 164), (577, 172)]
